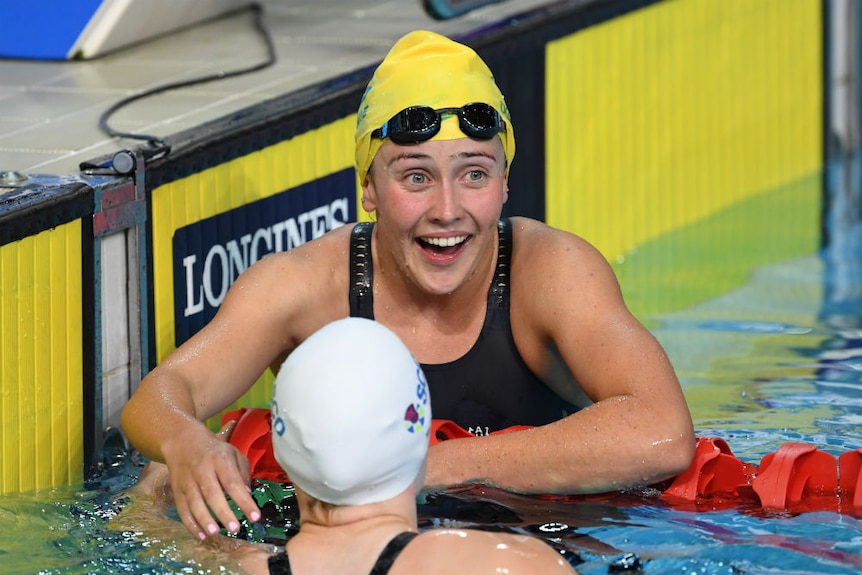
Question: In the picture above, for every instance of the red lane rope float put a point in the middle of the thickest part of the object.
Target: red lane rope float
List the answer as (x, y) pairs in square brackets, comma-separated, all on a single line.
[(797, 478), (252, 436), (795, 474), (713, 471), (850, 477)]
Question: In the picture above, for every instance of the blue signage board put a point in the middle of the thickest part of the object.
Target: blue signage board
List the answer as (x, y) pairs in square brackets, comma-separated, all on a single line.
[(210, 254)]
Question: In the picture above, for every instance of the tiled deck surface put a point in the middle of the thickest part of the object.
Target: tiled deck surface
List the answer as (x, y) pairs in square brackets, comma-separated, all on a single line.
[(50, 110)]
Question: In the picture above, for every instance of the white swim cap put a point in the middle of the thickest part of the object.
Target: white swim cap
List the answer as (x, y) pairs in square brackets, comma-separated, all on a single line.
[(351, 414)]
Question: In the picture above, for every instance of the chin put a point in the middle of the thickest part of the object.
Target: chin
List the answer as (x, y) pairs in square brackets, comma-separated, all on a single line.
[(442, 286)]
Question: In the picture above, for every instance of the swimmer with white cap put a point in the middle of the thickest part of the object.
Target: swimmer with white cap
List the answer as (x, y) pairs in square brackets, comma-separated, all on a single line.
[(351, 415), (351, 422)]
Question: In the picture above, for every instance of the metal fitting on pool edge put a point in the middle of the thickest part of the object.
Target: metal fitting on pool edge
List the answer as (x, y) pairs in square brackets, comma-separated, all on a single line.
[(8, 177)]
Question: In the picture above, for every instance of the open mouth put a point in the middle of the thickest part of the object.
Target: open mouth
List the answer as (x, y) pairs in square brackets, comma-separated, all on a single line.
[(443, 246)]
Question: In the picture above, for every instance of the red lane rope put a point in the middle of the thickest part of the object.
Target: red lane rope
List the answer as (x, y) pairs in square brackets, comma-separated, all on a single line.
[(797, 478)]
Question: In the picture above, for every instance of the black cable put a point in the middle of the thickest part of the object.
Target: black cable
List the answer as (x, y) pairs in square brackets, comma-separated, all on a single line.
[(160, 145)]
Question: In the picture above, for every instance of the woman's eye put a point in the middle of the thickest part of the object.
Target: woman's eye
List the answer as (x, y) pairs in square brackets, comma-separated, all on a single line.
[(416, 179)]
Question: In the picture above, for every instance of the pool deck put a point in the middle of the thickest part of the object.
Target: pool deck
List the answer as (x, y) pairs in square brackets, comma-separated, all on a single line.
[(50, 110)]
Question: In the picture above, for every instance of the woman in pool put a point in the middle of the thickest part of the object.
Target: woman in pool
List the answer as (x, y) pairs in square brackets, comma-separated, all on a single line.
[(491, 308), (354, 442)]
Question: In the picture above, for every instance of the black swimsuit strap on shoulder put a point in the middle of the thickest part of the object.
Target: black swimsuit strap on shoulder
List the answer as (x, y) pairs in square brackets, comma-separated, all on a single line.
[(361, 271), (499, 285), (279, 564), (391, 552)]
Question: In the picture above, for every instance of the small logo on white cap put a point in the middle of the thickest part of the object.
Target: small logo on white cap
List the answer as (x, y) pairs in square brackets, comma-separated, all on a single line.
[(414, 416)]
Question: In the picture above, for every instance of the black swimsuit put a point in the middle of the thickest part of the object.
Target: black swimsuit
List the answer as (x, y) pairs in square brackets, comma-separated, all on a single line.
[(280, 565), (490, 387)]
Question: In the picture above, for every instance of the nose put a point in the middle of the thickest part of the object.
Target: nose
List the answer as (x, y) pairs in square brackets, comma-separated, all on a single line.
[(446, 206)]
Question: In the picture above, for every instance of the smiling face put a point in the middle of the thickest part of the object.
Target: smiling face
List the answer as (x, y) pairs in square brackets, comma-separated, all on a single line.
[(437, 205)]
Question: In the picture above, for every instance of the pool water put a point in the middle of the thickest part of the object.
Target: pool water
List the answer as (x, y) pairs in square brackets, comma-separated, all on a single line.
[(771, 362)]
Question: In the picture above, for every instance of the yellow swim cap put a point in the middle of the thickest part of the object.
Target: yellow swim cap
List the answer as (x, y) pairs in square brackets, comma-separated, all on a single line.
[(427, 69)]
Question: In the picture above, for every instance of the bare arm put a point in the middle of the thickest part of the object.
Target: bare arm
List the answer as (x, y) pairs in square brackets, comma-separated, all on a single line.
[(147, 513), (164, 418), (270, 308), (638, 430)]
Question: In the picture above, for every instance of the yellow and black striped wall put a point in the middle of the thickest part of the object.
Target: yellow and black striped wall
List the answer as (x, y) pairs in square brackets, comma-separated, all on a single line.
[(47, 338), (684, 138)]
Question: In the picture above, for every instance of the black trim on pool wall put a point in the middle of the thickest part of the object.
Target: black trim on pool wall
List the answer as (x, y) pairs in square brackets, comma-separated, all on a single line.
[(32, 209)]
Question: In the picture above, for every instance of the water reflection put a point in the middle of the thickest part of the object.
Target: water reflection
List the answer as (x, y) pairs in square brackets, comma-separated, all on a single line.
[(768, 363)]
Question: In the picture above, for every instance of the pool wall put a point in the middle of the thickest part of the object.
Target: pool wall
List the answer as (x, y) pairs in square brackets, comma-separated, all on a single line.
[(668, 133), (689, 116), (45, 301)]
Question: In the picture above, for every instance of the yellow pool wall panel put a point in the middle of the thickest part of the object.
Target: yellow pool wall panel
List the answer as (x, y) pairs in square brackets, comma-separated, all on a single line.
[(719, 253), (669, 114), (264, 173), (41, 361)]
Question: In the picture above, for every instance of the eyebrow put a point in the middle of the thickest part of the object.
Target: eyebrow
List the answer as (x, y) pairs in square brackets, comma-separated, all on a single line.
[(408, 156), (468, 155), (421, 156)]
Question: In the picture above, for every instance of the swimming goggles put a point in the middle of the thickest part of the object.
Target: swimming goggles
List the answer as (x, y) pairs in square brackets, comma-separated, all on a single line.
[(420, 123)]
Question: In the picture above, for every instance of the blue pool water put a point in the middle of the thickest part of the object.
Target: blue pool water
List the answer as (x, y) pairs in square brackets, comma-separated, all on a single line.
[(777, 360)]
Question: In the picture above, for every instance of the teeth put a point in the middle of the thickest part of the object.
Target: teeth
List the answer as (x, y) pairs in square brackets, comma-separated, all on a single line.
[(445, 242)]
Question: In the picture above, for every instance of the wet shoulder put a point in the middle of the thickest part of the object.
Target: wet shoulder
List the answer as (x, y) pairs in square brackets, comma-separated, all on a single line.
[(539, 240), (450, 550), (313, 274), (544, 255), (320, 254)]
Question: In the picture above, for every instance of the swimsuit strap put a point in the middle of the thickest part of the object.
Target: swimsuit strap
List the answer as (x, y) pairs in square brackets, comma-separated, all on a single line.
[(279, 564), (361, 271), (391, 552), (500, 284)]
